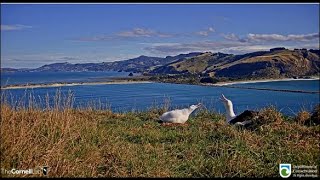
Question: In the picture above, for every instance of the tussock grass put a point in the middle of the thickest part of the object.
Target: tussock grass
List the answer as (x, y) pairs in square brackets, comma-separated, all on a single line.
[(89, 142)]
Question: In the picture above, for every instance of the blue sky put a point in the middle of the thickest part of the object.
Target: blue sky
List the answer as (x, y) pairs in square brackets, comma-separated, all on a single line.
[(36, 34)]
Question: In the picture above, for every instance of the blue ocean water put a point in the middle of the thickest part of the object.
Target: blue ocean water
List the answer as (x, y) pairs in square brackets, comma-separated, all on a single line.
[(9, 78), (305, 85), (142, 96)]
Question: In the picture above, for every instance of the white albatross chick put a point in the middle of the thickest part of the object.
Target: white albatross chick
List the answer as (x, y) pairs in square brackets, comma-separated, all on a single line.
[(179, 116)]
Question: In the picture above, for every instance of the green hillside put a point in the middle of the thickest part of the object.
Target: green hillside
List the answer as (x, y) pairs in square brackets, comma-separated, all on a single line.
[(275, 63)]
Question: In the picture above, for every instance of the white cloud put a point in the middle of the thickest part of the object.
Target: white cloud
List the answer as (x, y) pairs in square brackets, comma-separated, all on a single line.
[(206, 32), (235, 45), (247, 49), (211, 29), (256, 38), (140, 32), (191, 47), (137, 32), (94, 38), (202, 33), (234, 37), (231, 37), (279, 37), (14, 27), (134, 33)]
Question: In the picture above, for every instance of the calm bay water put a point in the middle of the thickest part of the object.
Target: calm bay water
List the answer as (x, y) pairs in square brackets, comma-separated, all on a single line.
[(290, 85), (51, 77), (128, 97)]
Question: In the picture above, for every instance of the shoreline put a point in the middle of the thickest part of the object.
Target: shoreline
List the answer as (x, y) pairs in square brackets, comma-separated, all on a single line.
[(142, 81), (71, 84), (257, 81)]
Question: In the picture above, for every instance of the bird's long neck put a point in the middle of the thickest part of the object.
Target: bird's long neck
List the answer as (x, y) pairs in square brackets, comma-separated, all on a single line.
[(230, 113), (190, 110)]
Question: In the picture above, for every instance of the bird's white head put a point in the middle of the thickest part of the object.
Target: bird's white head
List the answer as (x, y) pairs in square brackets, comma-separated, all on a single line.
[(194, 107), (226, 102)]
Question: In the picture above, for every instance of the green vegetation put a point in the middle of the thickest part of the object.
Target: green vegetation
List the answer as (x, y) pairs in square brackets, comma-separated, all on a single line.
[(209, 80), (196, 79), (90, 142)]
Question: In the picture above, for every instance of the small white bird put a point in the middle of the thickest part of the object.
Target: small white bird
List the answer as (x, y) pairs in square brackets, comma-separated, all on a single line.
[(179, 116), (243, 119)]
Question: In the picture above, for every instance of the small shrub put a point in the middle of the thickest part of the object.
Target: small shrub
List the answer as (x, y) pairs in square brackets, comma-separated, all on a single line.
[(302, 117), (315, 117), (269, 115)]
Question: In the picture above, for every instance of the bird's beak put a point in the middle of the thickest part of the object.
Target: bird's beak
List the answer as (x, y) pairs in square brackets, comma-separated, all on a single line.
[(223, 98)]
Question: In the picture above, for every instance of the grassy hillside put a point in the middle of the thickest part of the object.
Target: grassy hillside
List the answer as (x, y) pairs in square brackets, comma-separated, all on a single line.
[(189, 64), (264, 64), (285, 63), (195, 65), (89, 142)]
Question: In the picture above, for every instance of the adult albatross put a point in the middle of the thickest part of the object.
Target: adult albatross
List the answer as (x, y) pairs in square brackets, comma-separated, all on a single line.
[(244, 119)]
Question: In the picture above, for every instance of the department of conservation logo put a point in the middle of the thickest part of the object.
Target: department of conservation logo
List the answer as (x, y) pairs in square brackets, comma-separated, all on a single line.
[(285, 170)]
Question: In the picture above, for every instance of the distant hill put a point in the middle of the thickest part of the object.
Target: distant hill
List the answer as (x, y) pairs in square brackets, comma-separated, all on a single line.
[(275, 63), (139, 64), (146, 63), (278, 62), (8, 70), (14, 70)]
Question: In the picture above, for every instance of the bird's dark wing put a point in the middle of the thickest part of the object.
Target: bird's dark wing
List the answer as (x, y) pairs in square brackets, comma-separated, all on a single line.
[(245, 116)]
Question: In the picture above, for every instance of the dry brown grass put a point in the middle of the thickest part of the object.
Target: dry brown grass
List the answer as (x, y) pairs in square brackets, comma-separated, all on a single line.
[(95, 143), (315, 117), (57, 138), (302, 117)]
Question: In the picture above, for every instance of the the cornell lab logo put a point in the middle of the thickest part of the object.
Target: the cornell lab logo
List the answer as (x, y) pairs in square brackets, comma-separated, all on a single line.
[(37, 170)]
